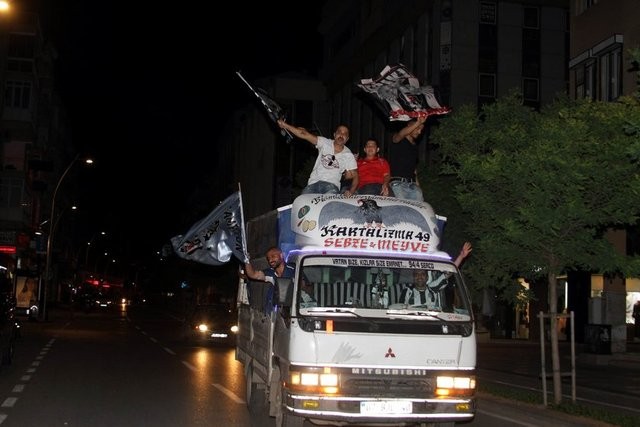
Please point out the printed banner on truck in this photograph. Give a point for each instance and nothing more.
(367, 223)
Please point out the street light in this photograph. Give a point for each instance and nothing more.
(89, 243)
(52, 224)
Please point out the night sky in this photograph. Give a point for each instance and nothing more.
(147, 86)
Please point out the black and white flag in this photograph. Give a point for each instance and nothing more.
(400, 95)
(214, 239)
(274, 111)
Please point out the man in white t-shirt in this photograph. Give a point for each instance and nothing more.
(334, 158)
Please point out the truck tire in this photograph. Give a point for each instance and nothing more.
(256, 398)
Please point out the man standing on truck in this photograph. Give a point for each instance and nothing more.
(334, 159)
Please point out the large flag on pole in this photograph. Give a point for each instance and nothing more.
(215, 238)
(400, 95)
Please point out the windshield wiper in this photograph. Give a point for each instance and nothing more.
(333, 310)
(422, 311)
(414, 311)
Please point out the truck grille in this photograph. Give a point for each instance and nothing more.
(388, 387)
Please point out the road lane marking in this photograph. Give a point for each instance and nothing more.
(501, 417)
(9, 402)
(19, 388)
(229, 393)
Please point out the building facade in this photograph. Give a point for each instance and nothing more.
(34, 143)
(601, 68)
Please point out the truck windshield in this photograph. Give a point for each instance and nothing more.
(381, 284)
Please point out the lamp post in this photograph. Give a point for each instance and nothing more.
(52, 226)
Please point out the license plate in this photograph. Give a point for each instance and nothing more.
(385, 407)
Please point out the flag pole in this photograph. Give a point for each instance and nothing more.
(242, 227)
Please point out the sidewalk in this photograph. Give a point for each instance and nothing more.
(610, 382)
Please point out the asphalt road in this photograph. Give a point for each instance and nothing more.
(106, 369)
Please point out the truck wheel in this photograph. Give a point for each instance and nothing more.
(256, 398)
(283, 419)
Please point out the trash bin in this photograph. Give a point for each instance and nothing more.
(597, 339)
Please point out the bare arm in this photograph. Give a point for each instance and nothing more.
(406, 131)
(386, 178)
(252, 273)
(464, 252)
(355, 179)
(301, 133)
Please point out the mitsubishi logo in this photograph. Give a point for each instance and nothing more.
(390, 353)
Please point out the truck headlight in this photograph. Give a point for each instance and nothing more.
(449, 385)
(314, 380)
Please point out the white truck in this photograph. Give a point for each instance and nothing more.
(353, 352)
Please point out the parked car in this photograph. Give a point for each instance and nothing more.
(214, 323)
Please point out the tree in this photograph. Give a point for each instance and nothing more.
(540, 189)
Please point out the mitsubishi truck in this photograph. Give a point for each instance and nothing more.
(340, 343)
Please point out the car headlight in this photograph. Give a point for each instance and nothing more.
(202, 327)
(234, 329)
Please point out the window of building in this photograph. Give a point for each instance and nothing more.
(590, 80)
(488, 49)
(11, 190)
(531, 53)
(531, 18)
(487, 85)
(585, 80)
(17, 94)
(21, 46)
(488, 12)
(531, 89)
(611, 75)
(583, 5)
(20, 65)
